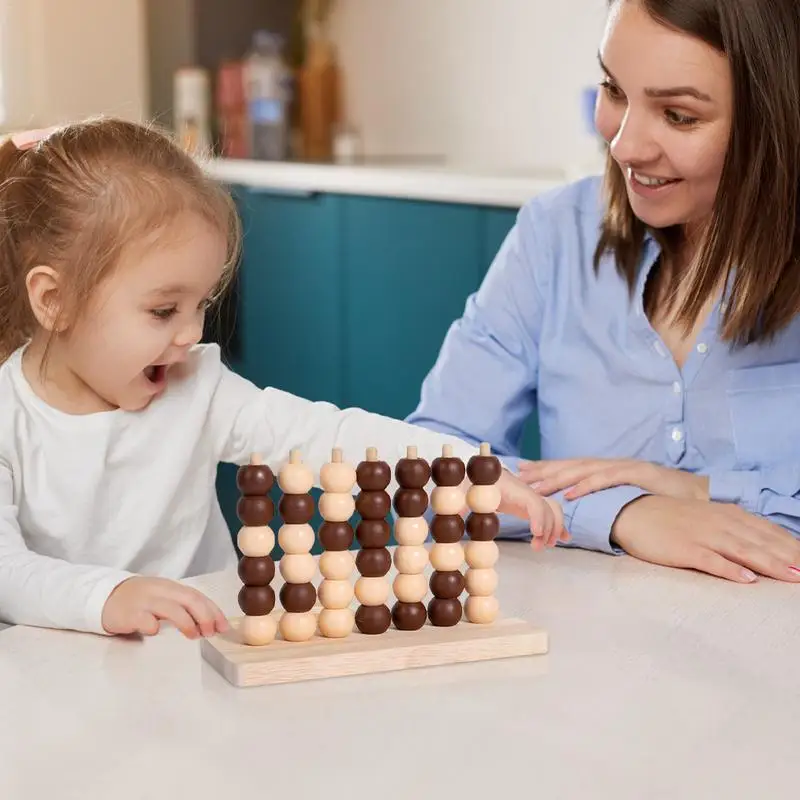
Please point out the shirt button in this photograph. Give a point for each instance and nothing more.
(676, 387)
(702, 348)
(677, 434)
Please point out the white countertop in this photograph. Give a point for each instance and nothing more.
(445, 183)
(659, 685)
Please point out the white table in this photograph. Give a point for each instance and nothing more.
(659, 684)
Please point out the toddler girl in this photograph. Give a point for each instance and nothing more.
(115, 244)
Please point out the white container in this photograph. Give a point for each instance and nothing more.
(192, 109)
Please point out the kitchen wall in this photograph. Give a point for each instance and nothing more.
(486, 82)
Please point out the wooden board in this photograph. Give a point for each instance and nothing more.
(359, 654)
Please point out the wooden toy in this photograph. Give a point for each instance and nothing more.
(343, 628)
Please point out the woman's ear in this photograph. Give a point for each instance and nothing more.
(46, 298)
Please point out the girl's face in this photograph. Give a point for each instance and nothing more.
(141, 323)
(665, 108)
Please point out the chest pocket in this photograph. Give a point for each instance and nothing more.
(764, 405)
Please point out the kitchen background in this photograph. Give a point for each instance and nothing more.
(484, 83)
(414, 132)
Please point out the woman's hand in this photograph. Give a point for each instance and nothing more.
(545, 516)
(139, 605)
(587, 475)
(717, 538)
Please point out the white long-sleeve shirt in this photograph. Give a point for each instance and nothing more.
(87, 501)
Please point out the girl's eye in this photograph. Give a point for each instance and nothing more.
(681, 120)
(612, 90)
(163, 313)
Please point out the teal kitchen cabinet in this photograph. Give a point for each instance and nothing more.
(407, 270)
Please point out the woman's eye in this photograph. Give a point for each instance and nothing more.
(676, 118)
(611, 89)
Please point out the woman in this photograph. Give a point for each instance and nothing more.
(652, 318)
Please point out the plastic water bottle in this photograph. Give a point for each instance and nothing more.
(268, 97)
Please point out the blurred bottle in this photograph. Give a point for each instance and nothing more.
(231, 103)
(192, 103)
(268, 85)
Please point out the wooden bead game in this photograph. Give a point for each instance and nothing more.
(341, 628)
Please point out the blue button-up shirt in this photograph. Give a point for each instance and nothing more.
(544, 333)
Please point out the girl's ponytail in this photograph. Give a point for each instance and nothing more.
(14, 311)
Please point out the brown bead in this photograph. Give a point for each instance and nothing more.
(296, 509)
(336, 535)
(444, 613)
(253, 479)
(255, 512)
(410, 502)
(373, 504)
(447, 528)
(483, 527)
(409, 616)
(448, 471)
(374, 563)
(447, 585)
(255, 601)
(374, 476)
(373, 620)
(484, 470)
(412, 473)
(256, 571)
(373, 533)
(297, 598)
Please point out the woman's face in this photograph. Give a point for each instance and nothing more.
(665, 110)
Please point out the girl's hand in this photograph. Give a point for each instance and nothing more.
(716, 538)
(138, 605)
(545, 516)
(593, 474)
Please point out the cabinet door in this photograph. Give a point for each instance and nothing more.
(408, 269)
(497, 224)
(289, 290)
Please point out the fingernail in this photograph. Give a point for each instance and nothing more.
(796, 570)
(748, 576)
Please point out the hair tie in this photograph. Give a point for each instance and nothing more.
(25, 140)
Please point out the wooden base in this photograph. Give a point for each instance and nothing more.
(359, 654)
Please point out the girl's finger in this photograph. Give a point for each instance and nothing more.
(171, 611)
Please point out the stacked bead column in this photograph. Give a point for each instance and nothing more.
(298, 567)
(373, 561)
(483, 525)
(256, 542)
(336, 507)
(410, 587)
(448, 501)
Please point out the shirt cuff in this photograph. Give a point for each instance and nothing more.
(735, 486)
(96, 600)
(589, 519)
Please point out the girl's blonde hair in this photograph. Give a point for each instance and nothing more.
(77, 199)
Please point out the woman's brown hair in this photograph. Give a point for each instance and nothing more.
(753, 237)
(79, 197)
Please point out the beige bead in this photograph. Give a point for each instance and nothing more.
(481, 555)
(447, 557)
(299, 568)
(481, 610)
(258, 631)
(410, 588)
(481, 582)
(411, 530)
(295, 539)
(295, 477)
(298, 627)
(335, 594)
(336, 507)
(337, 475)
(372, 591)
(337, 565)
(256, 542)
(448, 500)
(484, 499)
(410, 559)
(336, 623)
